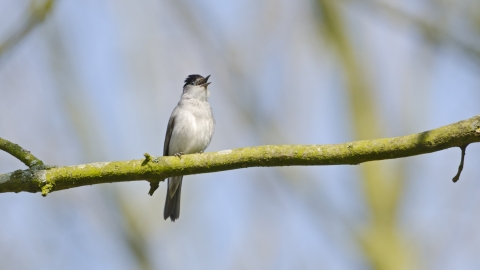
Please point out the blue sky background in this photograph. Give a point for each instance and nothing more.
(97, 81)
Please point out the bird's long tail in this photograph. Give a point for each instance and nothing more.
(172, 202)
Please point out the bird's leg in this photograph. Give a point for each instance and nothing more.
(179, 154)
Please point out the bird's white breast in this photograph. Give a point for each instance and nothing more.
(193, 128)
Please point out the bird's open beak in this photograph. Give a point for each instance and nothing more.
(205, 82)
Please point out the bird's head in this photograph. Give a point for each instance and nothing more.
(196, 86)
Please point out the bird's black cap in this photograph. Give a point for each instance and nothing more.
(195, 79)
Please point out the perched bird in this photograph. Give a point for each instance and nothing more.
(189, 131)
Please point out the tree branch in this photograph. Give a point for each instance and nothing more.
(20, 153)
(460, 167)
(155, 168)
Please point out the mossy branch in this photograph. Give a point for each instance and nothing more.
(154, 168)
(20, 153)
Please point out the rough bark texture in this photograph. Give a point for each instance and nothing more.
(23, 155)
(154, 168)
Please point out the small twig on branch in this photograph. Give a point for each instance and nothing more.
(23, 155)
(153, 186)
(460, 167)
(153, 183)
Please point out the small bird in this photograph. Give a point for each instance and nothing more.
(190, 130)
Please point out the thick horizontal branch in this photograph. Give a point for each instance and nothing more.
(154, 168)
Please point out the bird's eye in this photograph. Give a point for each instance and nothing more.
(192, 83)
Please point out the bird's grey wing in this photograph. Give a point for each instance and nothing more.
(168, 135)
(172, 200)
(173, 183)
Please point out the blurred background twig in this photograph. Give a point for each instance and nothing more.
(36, 14)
